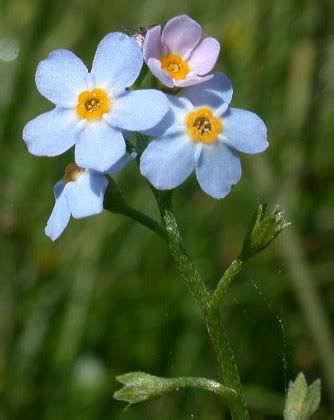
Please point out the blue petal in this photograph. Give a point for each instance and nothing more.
(244, 131)
(121, 163)
(61, 77)
(168, 161)
(59, 188)
(192, 79)
(52, 133)
(118, 61)
(85, 195)
(138, 110)
(179, 105)
(215, 93)
(174, 120)
(99, 146)
(60, 215)
(218, 169)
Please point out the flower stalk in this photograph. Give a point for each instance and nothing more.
(224, 283)
(224, 353)
(140, 386)
(262, 231)
(115, 203)
(195, 130)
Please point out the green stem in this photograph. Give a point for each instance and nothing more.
(146, 221)
(206, 384)
(115, 203)
(179, 253)
(212, 317)
(224, 283)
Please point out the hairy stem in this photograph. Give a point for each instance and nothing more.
(206, 384)
(211, 315)
(225, 282)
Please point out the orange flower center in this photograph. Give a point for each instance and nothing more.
(93, 104)
(175, 66)
(203, 125)
(72, 173)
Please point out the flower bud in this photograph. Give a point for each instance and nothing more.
(262, 231)
(302, 400)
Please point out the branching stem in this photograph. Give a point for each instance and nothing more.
(225, 356)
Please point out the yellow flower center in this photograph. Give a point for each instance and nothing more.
(203, 125)
(93, 104)
(72, 173)
(175, 66)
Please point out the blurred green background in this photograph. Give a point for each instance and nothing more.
(106, 299)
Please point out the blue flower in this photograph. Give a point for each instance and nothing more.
(201, 132)
(79, 194)
(93, 108)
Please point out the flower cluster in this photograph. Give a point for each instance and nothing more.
(192, 129)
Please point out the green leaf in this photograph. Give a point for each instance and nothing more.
(262, 231)
(302, 400)
(140, 386)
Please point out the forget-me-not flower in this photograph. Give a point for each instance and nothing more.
(93, 108)
(80, 194)
(201, 132)
(176, 56)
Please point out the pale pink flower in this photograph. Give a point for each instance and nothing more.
(177, 56)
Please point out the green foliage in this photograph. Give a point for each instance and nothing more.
(302, 400)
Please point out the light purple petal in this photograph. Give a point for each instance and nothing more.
(192, 79)
(85, 195)
(152, 47)
(121, 163)
(52, 133)
(99, 146)
(60, 215)
(117, 63)
(215, 93)
(138, 110)
(61, 77)
(218, 169)
(181, 35)
(168, 161)
(204, 56)
(244, 131)
(155, 67)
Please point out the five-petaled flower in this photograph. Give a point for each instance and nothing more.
(80, 193)
(176, 56)
(201, 132)
(95, 111)
(93, 108)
